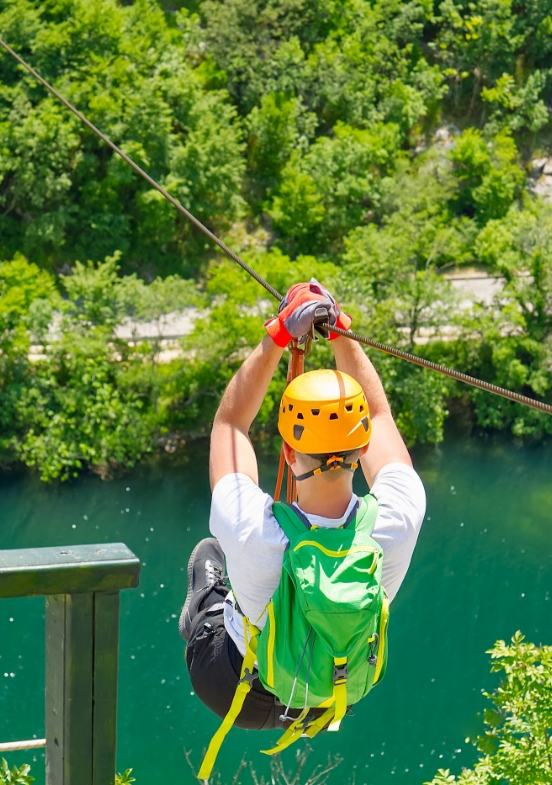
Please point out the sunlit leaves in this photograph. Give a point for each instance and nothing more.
(515, 748)
(16, 775)
(63, 194)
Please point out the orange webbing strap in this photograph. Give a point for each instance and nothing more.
(280, 477)
(242, 690)
(295, 368)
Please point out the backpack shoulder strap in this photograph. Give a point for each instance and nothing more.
(290, 519)
(367, 514)
(293, 522)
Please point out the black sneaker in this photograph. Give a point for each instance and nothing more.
(205, 576)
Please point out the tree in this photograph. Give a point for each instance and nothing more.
(63, 194)
(488, 176)
(515, 748)
(495, 52)
(333, 188)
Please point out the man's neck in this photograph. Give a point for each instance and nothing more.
(327, 499)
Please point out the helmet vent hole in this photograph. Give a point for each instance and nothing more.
(333, 416)
(284, 410)
(290, 407)
(316, 412)
(361, 408)
(300, 416)
(298, 431)
(364, 422)
(349, 407)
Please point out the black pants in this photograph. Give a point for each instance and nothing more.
(214, 663)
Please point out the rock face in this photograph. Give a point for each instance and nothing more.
(540, 181)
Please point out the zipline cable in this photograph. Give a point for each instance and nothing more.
(460, 377)
(411, 358)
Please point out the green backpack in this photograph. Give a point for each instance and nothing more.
(324, 644)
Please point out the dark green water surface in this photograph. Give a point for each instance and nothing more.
(482, 570)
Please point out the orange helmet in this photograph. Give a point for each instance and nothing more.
(324, 412)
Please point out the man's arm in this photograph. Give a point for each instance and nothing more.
(231, 448)
(386, 444)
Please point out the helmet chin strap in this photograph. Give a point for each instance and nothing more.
(332, 463)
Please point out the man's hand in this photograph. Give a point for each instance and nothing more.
(305, 305)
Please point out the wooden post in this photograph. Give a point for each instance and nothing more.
(82, 641)
(81, 584)
(106, 657)
(69, 689)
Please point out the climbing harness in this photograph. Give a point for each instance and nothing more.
(323, 327)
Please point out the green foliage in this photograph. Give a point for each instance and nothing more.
(124, 778)
(15, 776)
(373, 145)
(331, 189)
(89, 400)
(63, 195)
(277, 128)
(487, 174)
(495, 52)
(21, 776)
(23, 289)
(515, 747)
(355, 62)
(78, 412)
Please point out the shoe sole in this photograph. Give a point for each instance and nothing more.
(184, 613)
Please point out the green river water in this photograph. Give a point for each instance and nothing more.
(482, 570)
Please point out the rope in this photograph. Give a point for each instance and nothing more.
(462, 377)
(15, 746)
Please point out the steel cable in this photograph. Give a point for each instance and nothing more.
(420, 361)
(460, 377)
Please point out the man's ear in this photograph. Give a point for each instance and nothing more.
(364, 450)
(289, 454)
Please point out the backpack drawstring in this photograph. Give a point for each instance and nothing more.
(285, 716)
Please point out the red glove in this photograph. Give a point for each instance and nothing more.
(305, 304)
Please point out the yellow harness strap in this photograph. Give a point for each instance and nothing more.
(316, 725)
(295, 731)
(336, 711)
(244, 686)
(340, 691)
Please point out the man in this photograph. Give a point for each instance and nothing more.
(246, 529)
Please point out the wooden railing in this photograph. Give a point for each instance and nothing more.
(81, 584)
